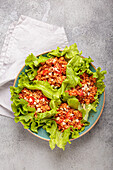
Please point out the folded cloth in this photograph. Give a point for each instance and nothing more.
(23, 38)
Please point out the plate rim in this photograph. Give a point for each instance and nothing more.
(82, 133)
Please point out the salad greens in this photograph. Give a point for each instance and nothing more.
(76, 66)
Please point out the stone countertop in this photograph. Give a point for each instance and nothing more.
(90, 25)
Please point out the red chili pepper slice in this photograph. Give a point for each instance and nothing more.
(71, 118)
(44, 72)
(43, 98)
(68, 115)
(32, 98)
(80, 92)
(61, 120)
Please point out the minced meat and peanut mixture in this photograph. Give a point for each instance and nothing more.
(67, 117)
(87, 92)
(35, 99)
(53, 71)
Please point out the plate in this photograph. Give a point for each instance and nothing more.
(93, 117)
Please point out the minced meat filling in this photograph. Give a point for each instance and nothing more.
(35, 99)
(67, 117)
(87, 92)
(53, 71)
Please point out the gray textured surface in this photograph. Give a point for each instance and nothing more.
(90, 25)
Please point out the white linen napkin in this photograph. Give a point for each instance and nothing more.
(23, 38)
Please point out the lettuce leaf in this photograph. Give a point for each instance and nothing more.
(47, 114)
(75, 133)
(99, 75)
(54, 53)
(72, 80)
(20, 107)
(57, 137)
(76, 66)
(55, 103)
(45, 87)
(33, 62)
(71, 51)
(73, 102)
